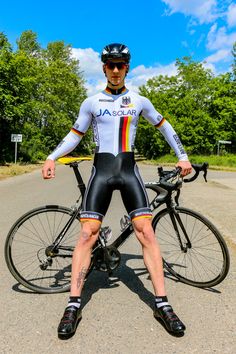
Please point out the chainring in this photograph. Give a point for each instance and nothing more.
(100, 260)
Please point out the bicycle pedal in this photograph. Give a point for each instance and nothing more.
(112, 281)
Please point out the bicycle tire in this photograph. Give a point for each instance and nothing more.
(206, 263)
(25, 249)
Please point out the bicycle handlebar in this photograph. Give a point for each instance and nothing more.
(198, 168)
(165, 176)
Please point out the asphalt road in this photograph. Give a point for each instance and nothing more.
(118, 318)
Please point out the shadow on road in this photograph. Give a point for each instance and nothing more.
(129, 276)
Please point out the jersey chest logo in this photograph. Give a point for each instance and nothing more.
(126, 102)
(119, 113)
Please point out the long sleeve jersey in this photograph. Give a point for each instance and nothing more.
(114, 119)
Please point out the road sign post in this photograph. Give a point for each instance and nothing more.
(224, 142)
(16, 138)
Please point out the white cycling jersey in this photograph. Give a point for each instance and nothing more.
(114, 119)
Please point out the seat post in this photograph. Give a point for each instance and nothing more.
(78, 176)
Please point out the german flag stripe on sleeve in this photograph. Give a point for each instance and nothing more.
(147, 216)
(90, 219)
(161, 123)
(77, 132)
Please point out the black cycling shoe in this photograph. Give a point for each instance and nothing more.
(69, 322)
(170, 320)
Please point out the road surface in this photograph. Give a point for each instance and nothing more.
(118, 318)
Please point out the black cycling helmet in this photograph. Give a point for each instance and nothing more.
(115, 51)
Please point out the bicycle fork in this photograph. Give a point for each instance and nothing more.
(178, 227)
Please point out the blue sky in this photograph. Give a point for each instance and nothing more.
(156, 31)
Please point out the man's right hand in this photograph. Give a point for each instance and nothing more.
(48, 170)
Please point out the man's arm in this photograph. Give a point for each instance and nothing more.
(154, 117)
(70, 141)
(67, 145)
(174, 141)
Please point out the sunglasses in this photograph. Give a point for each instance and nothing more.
(111, 65)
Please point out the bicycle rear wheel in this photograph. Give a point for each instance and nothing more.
(204, 261)
(27, 244)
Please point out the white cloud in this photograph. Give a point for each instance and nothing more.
(222, 55)
(219, 39)
(139, 75)
(89, 61)
(221, 42)
(204, 11)
(153, 70)
(231, 15)
(91, 68)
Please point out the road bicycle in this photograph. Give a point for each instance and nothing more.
(39, 246)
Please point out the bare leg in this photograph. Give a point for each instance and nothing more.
(82, 255)
(80, 264)
(151, 254)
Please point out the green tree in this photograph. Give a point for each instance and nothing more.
(8, 96)
(41, 91)
(223, 107)
(28, 43)
(62, 93)
(234, 60)
(200, 107)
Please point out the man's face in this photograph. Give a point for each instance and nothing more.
(115, 71)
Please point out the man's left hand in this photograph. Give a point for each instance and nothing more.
(186, 167)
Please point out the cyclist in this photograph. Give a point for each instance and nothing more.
(114, 115)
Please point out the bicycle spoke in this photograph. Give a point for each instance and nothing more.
(26, 249)
(200, 262)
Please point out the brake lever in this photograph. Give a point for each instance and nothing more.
(205, 175)
(203, 168)
(187, 180)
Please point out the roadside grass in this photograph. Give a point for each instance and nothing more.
(11, 169)
(226, 163)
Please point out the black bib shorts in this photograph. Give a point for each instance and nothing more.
(111, 173)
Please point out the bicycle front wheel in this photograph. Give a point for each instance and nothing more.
(193, 250)
(27, 249)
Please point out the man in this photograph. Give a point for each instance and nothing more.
(114, 115)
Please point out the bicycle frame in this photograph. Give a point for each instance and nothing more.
(162, 196)
(177, 228)
(81, 185)
(127, 229)
(166, 196)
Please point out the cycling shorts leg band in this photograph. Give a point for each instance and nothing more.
(140, 214)
(91, 216)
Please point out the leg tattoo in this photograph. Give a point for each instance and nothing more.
(81, 276)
